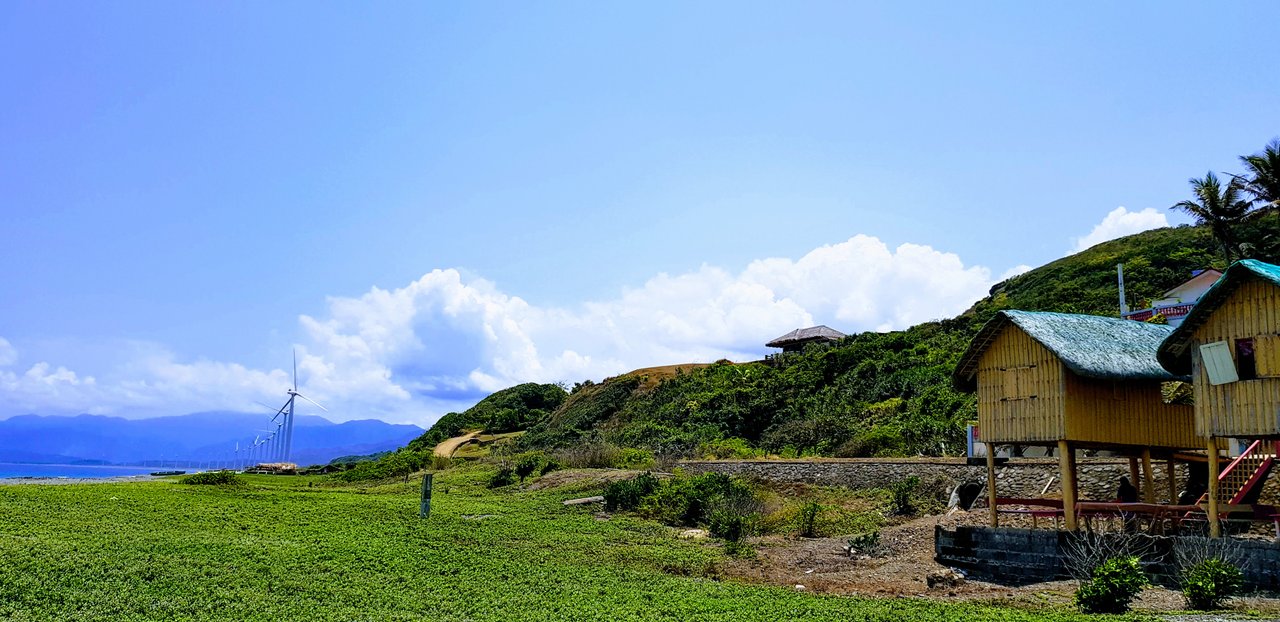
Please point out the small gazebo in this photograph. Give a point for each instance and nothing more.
(797, 339)
(1073, 381)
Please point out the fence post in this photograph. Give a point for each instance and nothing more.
(424, 509)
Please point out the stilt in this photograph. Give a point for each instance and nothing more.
(1215, 524)
(1173, 481)
(1148, 478)
(1066, 463)
(1135, 477)
(991, 484)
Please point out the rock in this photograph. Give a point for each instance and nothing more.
(945, 578)
(585, 500)
(800, 588)
(694, 534)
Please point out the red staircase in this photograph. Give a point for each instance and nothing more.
(1244, 477)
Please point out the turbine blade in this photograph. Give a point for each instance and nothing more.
(295, 369)
(312, 401)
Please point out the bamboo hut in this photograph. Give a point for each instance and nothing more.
(1073, 381)
(796, 340)
(1230, 346)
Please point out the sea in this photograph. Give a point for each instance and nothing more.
(71, 471)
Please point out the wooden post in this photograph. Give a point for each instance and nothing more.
(991, 484)
(1215, 524)
(1066, 464)
(1148, 478)
(424, 509)
(1173, 481)
(1134, 476)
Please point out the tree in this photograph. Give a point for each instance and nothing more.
(1262, 180)
(1220, 207)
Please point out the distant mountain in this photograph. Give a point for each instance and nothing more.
(195, 437)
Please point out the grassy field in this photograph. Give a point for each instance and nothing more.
(298, 549)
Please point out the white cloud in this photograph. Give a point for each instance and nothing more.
(1014, 271)
(1119, 223)
(445, 340)
(8, 354)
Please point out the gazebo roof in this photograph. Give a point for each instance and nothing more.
(1091, 346)
(803, 335)
(1175, 352)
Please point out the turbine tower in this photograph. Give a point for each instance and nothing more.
(287, 411)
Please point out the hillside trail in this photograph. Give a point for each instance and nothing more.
(446, 448)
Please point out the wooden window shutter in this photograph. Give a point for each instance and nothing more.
(1217, 362)
(1266, 352)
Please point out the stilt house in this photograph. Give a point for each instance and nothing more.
(1072, 381)
(1230, 346)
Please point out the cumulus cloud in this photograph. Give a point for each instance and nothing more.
(8, 354)
(445, 340)
(1120, 222)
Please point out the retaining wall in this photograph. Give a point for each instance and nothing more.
(1019, 477)
(1021, 556)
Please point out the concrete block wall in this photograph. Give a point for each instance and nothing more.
(1021, 556)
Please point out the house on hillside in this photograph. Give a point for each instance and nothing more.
(1230, 346)
(1177, 302)
(796, 340)
(1070, 382)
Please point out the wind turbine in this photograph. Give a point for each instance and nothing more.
(287, 410)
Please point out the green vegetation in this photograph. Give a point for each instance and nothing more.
(213, 478)
(507, 410)
(306, 548)
(1210, 583)
(1114, 584)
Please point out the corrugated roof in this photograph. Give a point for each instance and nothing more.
(806, 334)
(1175, 352)
(1091, 346)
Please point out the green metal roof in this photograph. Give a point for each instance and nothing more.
(1091, 346)
(1175, 352)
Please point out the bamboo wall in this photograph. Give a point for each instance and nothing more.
(1127, 413)
(1247, 408)
(1020, 390)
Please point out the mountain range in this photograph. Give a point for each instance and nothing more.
(195, 437)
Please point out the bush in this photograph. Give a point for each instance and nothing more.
(628, 494)
(903, 504)
(213, 478)
(809, 519)
(504, 476)
(591, 455)
(1210, 583)
(1113, 586)
(533, 463)
(866, 543)
(728, 525)
(632, 458)
(728, 448)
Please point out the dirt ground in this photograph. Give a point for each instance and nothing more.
(906, 559)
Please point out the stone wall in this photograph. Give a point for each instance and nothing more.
(1022, 556)
(1020, 477)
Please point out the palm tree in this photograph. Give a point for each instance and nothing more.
(1263, 180)
(1220, 207)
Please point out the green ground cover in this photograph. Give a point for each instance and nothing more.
(304, 549)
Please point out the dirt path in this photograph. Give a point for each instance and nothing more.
(446, 448)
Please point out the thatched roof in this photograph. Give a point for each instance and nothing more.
(1175, 352)
(803, 335)
(1091, 346)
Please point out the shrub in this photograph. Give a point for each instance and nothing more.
(866, 543)
(628, 494)
(213, 478)
(728, 525)
(809, 519)
(1210, 583)
(530, 463)
(591, 455)
(728, 448)
(504, 476)
(632, 458)
(903, 504)
(440, 463)
(1113, 586)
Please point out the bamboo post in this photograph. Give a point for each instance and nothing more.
(1134, 476)
(1215, 524)
(991, 484)
(1067, 465)
(1148, 478)
(1173, 482)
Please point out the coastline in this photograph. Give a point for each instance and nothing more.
(54, 481)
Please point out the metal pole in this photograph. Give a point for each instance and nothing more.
(288, 428)
(424, 509)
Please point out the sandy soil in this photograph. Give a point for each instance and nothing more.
(904, 563)
(446, 448)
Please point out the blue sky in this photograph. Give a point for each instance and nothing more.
(433, 200)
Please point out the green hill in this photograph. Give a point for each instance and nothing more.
(871, 394)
